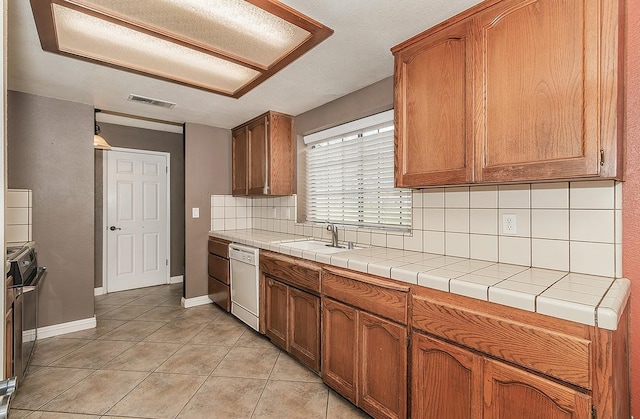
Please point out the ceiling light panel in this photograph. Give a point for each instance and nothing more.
(235, 27)
(223, 46)
(90, 37)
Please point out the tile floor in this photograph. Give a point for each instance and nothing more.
(150, 358)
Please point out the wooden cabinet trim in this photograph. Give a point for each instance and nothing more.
(292, 271)
(368, 293)
(561, 355)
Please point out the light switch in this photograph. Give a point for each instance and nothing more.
(195, 212)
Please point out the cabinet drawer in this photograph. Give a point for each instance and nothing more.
(376, 295)
(219, 247)
(557, 349)
(296, 272)
(219, 268)
(220, 294)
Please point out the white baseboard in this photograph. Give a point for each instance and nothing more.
(195, 301)
(98, 291)
(176, 279)
(64, 328)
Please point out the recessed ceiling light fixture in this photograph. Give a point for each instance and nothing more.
(223, 46)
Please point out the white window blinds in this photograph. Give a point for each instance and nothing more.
(349, 177)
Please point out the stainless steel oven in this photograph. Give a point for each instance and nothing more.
(27, 278)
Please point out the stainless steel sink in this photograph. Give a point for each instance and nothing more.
(315, 245)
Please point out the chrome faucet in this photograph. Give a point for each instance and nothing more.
(334, 234)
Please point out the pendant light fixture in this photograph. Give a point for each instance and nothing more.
(99, 143)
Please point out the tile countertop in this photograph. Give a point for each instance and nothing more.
(586, 299)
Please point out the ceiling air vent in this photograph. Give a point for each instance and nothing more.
(151, 101)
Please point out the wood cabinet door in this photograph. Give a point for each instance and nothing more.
(257, 176)
(538, 87)
(446, 380)
(383, 367)
(433, 110)
(513, 393)
(304, 328)
(340, 348)
(281, 146)
(239, 160)
(276, 298)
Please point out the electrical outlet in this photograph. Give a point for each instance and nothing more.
(288, 213)
(275, 212)
(509, 224)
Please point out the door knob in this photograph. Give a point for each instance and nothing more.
(114, 228)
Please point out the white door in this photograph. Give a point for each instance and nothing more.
(136, 219)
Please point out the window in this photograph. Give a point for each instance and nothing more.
(350, 176)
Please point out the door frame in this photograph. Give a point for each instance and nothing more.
(105, 221)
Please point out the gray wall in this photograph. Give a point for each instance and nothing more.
(146, 139)
(375, 98)
(50, 151)
(207, 171)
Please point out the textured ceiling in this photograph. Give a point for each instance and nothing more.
(356, 55)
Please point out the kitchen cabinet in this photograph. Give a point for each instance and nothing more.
(263, 152)
(512, 91)
(364, 341)
(451, 385)
(433, 109)
(239, 160)
(218, 270)
(474, 359)
(292, 306)
(514, 393)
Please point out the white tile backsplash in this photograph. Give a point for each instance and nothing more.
(483, 197)
(484, 221)
(550, 254)
(550, 195)
(592, 226)
(484, 247)
(514, 250)
(456, 220)
(592, 195)
(18, 216)
(562, 225)
(514, 196)
(550, 224)
(457, 197)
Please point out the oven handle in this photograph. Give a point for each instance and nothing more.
(42, 271)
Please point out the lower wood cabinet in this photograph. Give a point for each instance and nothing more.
(219, 274)
(292, 321)
(515, 393)
(364, 355)
(450, 382)
(292, 306)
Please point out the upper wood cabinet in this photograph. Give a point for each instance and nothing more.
(433, 110)
(239, 159)
(512, 91)
(263, 152)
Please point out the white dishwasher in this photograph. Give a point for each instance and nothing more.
(245, 278)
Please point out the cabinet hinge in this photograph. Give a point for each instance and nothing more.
(166, 261)
(601, 157)
(594, 413)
